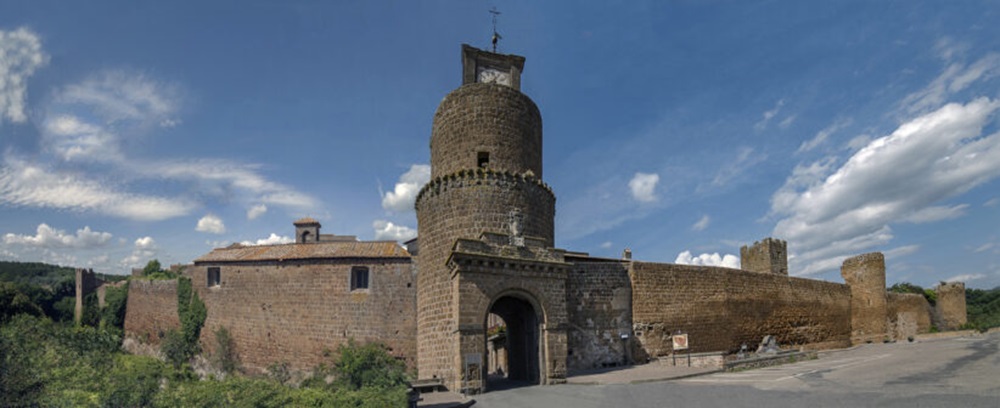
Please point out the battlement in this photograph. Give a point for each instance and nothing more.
(769, 255)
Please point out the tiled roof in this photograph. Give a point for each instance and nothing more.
(317, 250)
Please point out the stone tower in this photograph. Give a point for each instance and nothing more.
(951, 305)
(768, 255)
(865, 275)
(486, 169)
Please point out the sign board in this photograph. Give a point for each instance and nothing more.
(681, 341)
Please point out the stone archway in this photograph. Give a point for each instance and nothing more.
(521, 342)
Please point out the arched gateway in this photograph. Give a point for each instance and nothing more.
(514, 355)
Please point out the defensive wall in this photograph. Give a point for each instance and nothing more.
(599, 304)
(151, 309)
(721, 309)
(908, 315)
(300, 312)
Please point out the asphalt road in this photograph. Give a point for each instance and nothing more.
(953, 372)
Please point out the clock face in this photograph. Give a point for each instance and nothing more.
(488, 75)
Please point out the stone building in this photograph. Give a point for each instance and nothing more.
(486, 252)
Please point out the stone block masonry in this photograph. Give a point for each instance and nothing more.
(951, 305)
(768, 255)
(909, 314)
(720, 309)
(865, 274)
(299, 312)
(599, 305)
(151, 309)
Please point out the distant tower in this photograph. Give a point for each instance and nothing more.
(306, 230)
(768, 255)
(486, 162)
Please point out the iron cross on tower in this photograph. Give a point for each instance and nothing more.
(496, 35)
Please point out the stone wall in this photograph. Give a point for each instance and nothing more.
(722, 308)
(865, 274)
(951, 305)
(300, 312)
(766, 256)
(151, 309)
(599, 304)
(909, 314)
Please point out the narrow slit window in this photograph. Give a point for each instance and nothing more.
(214, 277)
(359, 277)
(483, 159)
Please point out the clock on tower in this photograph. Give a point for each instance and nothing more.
(480, 66)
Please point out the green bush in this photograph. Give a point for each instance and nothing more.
(115, 300)
(224, 357)
(368, 365)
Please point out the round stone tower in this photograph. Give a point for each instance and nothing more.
(486, 163)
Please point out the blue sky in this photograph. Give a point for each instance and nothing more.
(682, 130)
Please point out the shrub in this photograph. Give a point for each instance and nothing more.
(224, 357)
(368, 365)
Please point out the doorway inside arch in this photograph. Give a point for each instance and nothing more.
(512, 351)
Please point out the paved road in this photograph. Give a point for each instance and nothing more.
(955, 372)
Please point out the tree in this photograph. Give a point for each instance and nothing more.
(153, 266)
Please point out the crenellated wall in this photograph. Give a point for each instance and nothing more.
(722, 308)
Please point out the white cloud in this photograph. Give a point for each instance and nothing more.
(144, 250)
(385, 230)
(830, 212)
(992, 202)
(965, 277)
(702, 223)
(786, 122)
(51, 238)
(403, 196)
(23, 184)
(936, 213)
(71, 138)
(768, 115)
(606, 245)
(955, 78)
(273, 239)
(211, 224)
(222, 178)
(822, 135)
(256, 211)
(117, 95)
(20, 56)
(643, 186)
(713, 259)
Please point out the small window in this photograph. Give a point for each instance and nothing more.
(483, 159)
(359, 277)
(214, 277)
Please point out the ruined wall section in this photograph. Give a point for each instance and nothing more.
(151, 309)
(951, 305)
(769, 255)
(599, 304)
(299, 312)
(722, 308)
(909, 314)
(865, 274)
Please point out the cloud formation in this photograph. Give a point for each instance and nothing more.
(273, 239)
(643, 186)
(144, 250)
(20, 56)
(385, 230)
(401, 199)
(713, 259)
(702, 223)
(211, 224)
(30, 185)
(822, 135)
(51, 238)
(832, 211)
(256, 211)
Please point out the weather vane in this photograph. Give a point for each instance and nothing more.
(496, 35)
